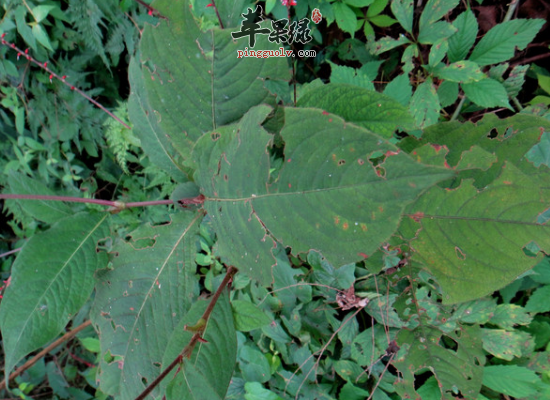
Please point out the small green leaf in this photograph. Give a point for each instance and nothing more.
(386, 44)
(376, 8)
(358, 3)
(403, 11)
(435, 32)
(349, 75)
(540, 153)
(487, 93)
(461, 72)
(438, 52)
(247, 316)
(435, 10)
(447, 93)
(500, 42)
(511, 380)
(253, 365)
(424, 105)
(515, 80)
(19, 113)
(90, 344)
(42, 37)
(538, 301)
(382, 21)
(255, 391)
(40, 12)
(345, 17)
(507, 316)
(462, 41)
(400, 89)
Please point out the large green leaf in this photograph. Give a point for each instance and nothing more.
(51, 279)
(206, 375)
(328, 196)
(504, 140)
(500, 42)
(194, 80)
(141, 300)
(374, 111)
(47, 211)
(473, 240)
(460, 369)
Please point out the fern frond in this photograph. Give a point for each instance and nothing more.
(119, 139)
(87, 18)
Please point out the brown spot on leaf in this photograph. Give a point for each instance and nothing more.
(215, 136)
(341, 162)
(360, 161)
(345, 226)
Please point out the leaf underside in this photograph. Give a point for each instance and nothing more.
(141, 300)
(329, 195)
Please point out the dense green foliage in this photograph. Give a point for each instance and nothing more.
(391, 238)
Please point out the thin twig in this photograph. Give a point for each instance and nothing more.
(511, 8)
(44, 66)
(45, 351)
(197, 336)
(7, 253)
(151, 10)
(115, 204)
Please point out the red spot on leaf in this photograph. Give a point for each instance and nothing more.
(363, 255)
(289, 185)
(336, 220)
(325, 113)
(390, 153)
(417, 216)
(446, 164)
(345, 226)
(436, 147)
(330, 120)
(507, 182)
(210, 5)
(289, 160)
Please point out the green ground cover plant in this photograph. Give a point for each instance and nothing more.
(354, 225)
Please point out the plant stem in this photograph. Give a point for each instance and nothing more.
(458, 108)
(45, 351)
(115, 204)
(188, 350)
(7, 253)
(61, 79)
(511, 8)
(217, 13)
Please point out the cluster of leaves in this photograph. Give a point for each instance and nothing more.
(351, 195)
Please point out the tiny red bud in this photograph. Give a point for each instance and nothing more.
(3, 35)
(18, 55)
(210, 5)
(202, 340)
(26, 51)
(150, 12)
(63, 77)
(45, 64)
(51, 76)
(72, 87)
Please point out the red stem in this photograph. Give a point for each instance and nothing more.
(116, 204)
(197, 337)
(54, 75)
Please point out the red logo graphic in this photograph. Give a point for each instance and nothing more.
(316, 16)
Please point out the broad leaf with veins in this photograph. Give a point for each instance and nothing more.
(329, 195)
